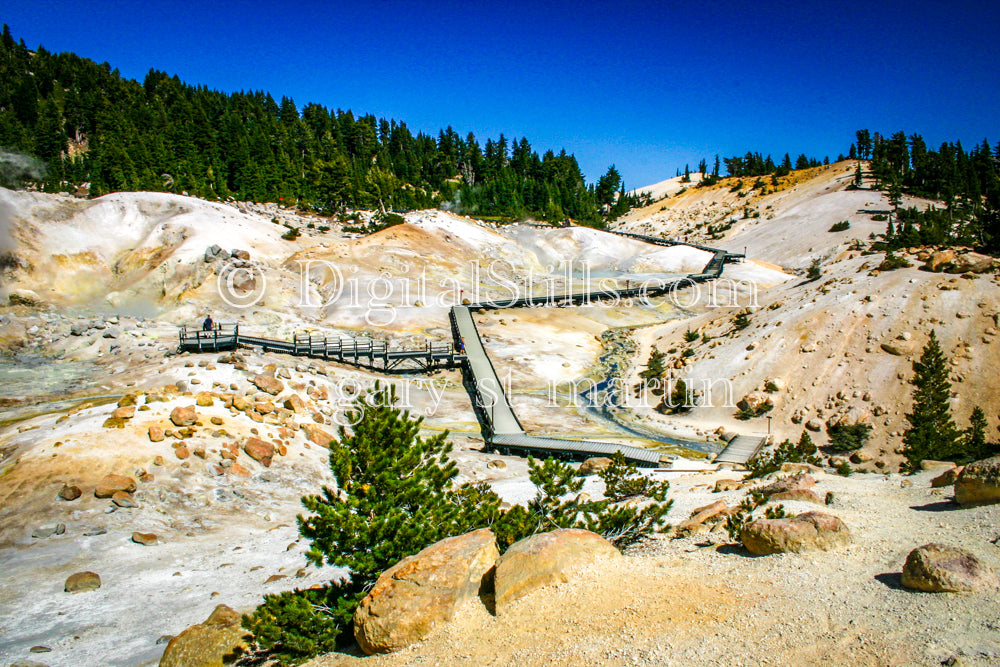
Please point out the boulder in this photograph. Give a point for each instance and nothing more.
(928, 464)
(814, 425)
(971, 262)
(799, 495)
(947, 478)
(774, 384)
(69, 492)
(268, 384)
(727, 485)
(545, 559)
(240, 254)
(220, 640)
(422, 591)
(979, 483)
(788, 466)
(24, 297)
(317, 436)
(755, 401)
(124, 412)
(156, 434)
(204, 399)
(811, 531)
(112, 484)
(700, 516)
(938, 568)
(938, 260)
(593, 465)
(798, 482)
(82, 582)
(183, 415)
(124, 499)
(145, 539)
(295, 404)
(899, 348)
(259, 450)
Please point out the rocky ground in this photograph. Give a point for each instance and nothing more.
(701, 600)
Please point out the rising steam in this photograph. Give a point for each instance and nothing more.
(16, 167)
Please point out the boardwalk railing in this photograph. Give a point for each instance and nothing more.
(500, 426)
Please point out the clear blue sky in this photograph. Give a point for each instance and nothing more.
(648, 86)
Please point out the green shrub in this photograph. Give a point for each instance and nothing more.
(841, 226)
(802, 452)
(844, 469)
(690, 336)
(291, 234)
(893, 262)
(848, 437)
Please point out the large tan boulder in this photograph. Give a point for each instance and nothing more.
(546, 559)
(947, 478)
(979, 483)
(755, 401)
(938, 568)
(219, 641)
(422, 591)
(811, 531)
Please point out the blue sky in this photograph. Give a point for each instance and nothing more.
(648, 86)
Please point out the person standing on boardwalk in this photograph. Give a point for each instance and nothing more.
(208, 324)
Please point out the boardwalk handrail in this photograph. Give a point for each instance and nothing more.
(381, 358)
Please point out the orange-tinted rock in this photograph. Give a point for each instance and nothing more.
(295, 404)
(111, 484)
(145, 539)
(156, 434)
(125, 412)
(82, 582)
(317, 435)
(239, 471)
(806, 532)
(182, 452)
(216, 642)
(259, 450)
(268, 384)
(183, 415)
(70, 492)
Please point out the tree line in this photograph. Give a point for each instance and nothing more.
(88, 124)
(966, 182)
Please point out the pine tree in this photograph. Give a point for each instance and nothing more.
(394, 496)
(932, 433)
(974, 442)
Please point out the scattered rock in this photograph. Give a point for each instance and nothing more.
(295, 404)
(48, 531)
(545, 559)
(259, 450)
(593, 465)
(800, 495)
(204, 400)
(70, 492)
(979, 483)
(947, 478)
(701, 516)
(899, 348)
(412, 597)
(498, 464)
(183, 415)
(268, 384)
(774, 384)
(316, 435)
(938, 568)
(805, 532)
(123, 499)
(182, 452)
(156, 434)
(937, 261)
(797, 482)
(218, 641)
(755, 401)
(82, 582)
(727, 485)
(112, 484)
(145, 539)
(790, 467)
(814, 425)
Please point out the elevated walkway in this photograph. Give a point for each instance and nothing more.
(741, 450)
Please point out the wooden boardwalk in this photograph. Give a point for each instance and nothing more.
(500, 426)
(741, 449)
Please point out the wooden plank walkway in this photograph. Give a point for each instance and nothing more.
(741, 449)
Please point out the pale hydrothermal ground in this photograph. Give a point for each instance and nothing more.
(131, 266)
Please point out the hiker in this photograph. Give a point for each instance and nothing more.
(208, 324)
